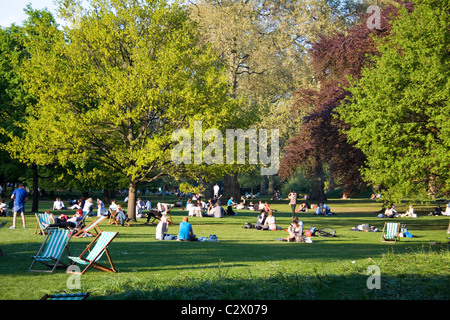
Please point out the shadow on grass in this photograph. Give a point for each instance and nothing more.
(289, 286)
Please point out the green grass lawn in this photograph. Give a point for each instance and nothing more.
(246, 263)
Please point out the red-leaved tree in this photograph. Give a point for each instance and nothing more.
(320, 140)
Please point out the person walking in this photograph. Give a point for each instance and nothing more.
(20, 196)
(292, 201)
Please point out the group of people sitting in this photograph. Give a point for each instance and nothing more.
(391, 212)
(185, 230)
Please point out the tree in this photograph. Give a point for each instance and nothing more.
(319, 140)
(398, 113)
(264, 44)
(113, 89)
(16, 100)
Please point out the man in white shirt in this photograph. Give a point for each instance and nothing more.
(216, 191)
(58, 205)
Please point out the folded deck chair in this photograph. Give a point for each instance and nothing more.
(66, 296)
(51, 250)
(94, 252)
(42, 219)
(1, 226)
(390, 232)
(89, 229)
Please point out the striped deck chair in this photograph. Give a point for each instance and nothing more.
(81, 223)
(89, 229)
(390, 232)
(51, 250)
(94, 252)
(42, 218)
(66, 296)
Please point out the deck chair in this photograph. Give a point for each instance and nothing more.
(94, 252)
(113, 219)
(390, 232)
(66, 296)
(164, 209)
(51, 250)
(42, 218)
(1, 226)
(89, 229)
(82, 222)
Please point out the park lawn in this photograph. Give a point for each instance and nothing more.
(246, 263)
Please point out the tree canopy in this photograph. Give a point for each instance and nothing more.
(398, 113)
(113, 90)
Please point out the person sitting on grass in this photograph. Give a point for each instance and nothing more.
(437, 211)
(162, 228)
(185, 232)
(271, 222)
(260, 221)
(58, 205)
(295, 231)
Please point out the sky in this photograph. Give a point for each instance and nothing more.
(11, 11)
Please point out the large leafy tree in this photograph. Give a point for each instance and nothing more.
(319, 142)
(399, 112)
(113, 89)
(264, 44)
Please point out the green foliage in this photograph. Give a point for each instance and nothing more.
(113, 89)
(297, 182)
(399, 111)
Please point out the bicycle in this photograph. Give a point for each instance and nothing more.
(324, 232)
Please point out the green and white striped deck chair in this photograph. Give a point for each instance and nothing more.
(66, 296)
(94, 252)
(42, 218)
(51, 250)
(89, 229)
(390, 232)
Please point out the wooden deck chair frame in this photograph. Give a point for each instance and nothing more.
(40, 229)
(169, 208)
(94, 251)
(113, 219)
(390, 232)
(66, 296)
(93, 226)
(51, 250)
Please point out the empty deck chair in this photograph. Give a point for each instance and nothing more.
(89, 229)
(66, 296)
(42, 219)
(390, 232)
(51, 250)
(94, 252)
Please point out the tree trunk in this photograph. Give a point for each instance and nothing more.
(317, 184)
(271, 184)
(106, 197)
(231, 188)
(131, 207)
(35, 205)
(262, 189)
